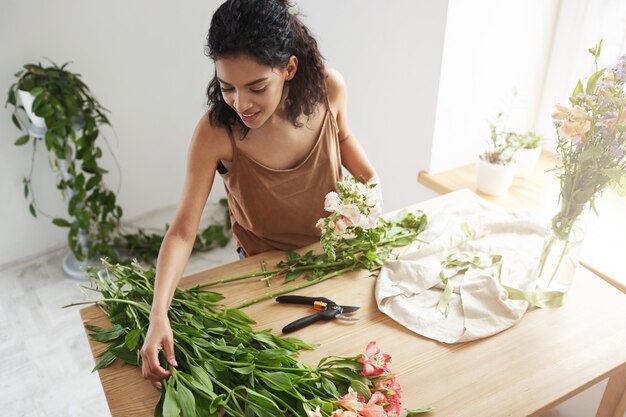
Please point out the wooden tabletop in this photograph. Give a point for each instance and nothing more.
(605, 241)
(549, 356)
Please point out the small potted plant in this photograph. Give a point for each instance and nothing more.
(527, 154)
(496, 166)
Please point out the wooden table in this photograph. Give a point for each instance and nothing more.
(605, 242)
(549, 356)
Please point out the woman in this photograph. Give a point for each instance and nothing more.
(276, 131)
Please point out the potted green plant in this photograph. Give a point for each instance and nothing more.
(528, 150)
(53, 105)
(496, 166)
(72, 118)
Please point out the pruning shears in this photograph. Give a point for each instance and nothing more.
(328, 310)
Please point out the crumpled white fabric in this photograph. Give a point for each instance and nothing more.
(409, 288)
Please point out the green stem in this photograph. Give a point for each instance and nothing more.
(293, 288)
(109, 300)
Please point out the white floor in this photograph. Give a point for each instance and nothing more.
(45, 361)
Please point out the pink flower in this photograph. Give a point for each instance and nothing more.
(576, 122)
(350, 401)
(351, 211)
(482, 231)
(316, 413)
(374, 362)
(389, 386)
(332, 202)
(373, 407)
(395, 409)
(343, 413)
(341, 226)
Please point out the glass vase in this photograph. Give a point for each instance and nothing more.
(562, 248)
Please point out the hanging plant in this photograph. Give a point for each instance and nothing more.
(73, 118)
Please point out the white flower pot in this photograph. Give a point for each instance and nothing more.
(494, 179)
(27, 99)
(527, 161)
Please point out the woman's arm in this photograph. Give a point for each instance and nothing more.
(353, 156)
(208, 146)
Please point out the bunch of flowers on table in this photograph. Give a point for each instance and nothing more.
(591, 140)
(380, 397)
(354, 208)
(592, 147)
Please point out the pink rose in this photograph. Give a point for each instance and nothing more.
(332, 202)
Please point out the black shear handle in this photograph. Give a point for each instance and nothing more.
(300, 299)
(305, 321)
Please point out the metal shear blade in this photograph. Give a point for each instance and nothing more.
(328, 310)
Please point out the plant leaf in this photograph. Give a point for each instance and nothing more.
(22, 140)
(186, 401)
(61, 222)
(106, 358)
(171, 408)
(131, 340)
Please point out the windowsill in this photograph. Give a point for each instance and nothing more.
(606, 233)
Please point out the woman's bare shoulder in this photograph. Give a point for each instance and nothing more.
(336, 89)
(210, 142)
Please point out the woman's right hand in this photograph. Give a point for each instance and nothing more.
(159, 337)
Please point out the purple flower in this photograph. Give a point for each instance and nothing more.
(616, 151)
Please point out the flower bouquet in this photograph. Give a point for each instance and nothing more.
(591, 144)
(354, 209)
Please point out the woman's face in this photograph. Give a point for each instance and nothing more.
(253, 90)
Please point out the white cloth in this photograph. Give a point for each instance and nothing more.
(409, 288)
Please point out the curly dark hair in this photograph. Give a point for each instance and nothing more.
(269, 32)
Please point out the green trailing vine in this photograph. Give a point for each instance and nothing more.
(73, 119)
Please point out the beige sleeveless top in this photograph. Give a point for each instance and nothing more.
(278, 208)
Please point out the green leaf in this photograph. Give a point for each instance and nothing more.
(361, 388)
(22, 140)
(414, 411)
(50, 141)
(591, 82)
(186, 401)
(123, 353)
(36, 91)
(261, 405)
(61, 222)
(238, 316)
(25, 189)
(280, 381)
(577, 90)
(171, 407)
(202, 376)
(131, 340)
(16, 122)
(292, 256)
(292, 275)
(107, 335)
(243, 370)
(271, 355)
(106, 358)
(158, 410)
(31, 207)
(330, 387)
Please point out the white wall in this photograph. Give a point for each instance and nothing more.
(144, 61)
(490, 48)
